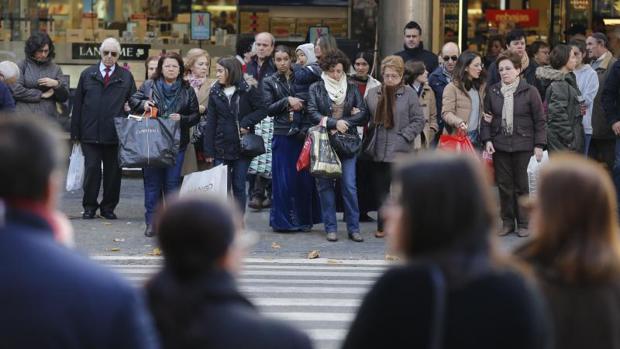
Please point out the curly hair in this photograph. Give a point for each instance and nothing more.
(332, 57)
(36, 41)
(509, 56)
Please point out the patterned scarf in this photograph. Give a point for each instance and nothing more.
(337, 90)
(508, 109)
(170, 96)
(194, 82)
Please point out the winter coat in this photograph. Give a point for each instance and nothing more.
(564, 120)
(600, 127)
(419, 54)
(7, 103)
(27, 92)
(95, 106)
(611, 95)
(429, 109)
(276, 91)
(319, 106)
(529, 126)
(56, 298)
(408, 124)
(456, 105)
(438, 81)
(245, 109)
(186, 106)
(220, 318)
(587, 82)
(260, 72)
(529, 74)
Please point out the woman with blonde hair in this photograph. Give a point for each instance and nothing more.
(576, 252)
(396, 121)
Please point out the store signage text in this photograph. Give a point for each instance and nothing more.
(525, 18)
(129, 52)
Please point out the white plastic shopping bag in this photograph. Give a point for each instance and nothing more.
(75, 174)
(213, 182)
(533, 169)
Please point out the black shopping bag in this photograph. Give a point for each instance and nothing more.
(147, 142)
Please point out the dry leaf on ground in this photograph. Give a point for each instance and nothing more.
(275, 245)
(119, 240)
(313, 254)
(156, 252)
(114, 249)
(389, 257)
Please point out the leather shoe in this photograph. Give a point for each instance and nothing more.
(255, 203)
(108, 215)
(379, 234)
(506, 230)
(149, 232)
(523, 232)
(88, 214)
(357, 237)
(331, 236)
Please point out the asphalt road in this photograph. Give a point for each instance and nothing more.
(125, 236)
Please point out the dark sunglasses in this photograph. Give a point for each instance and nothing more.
(111, 53)
(453, 58)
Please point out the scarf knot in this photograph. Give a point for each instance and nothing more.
(508, 91)
(336, 89)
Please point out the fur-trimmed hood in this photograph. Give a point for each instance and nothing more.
(548, 73)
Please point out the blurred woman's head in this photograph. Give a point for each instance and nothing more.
(197, 62)
(575, 221)
(363, 63)
(469, 72)
(563, 57)
(324, 43)
(39, 47)
(228, 71)
(423, 220)
(151, 66)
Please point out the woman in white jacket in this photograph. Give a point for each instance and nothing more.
(587, 81)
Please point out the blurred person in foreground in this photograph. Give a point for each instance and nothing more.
(51, 296)
(194, 299)
(9, 73)
(455, 290)
(575, 252)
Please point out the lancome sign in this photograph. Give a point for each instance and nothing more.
(129, 52)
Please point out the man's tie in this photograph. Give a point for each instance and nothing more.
(106, 78)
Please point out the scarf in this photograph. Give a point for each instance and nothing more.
(194, 82)
(170, 96)
(337, 90)
(508, 109)
(384, 115)
(525, 62)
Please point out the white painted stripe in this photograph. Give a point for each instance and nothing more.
(297, 290)
(300, 316)
(261, 267)
(307, 281)
(326, 334)
(274, 273)
(305, 302)
(328, 261)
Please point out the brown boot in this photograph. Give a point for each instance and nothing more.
(379, 234)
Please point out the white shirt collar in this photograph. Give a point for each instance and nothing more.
(102, 69)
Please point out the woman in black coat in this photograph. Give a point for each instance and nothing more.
(235, 106)
(176, 100)
(454, 291)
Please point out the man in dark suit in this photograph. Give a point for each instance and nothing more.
(52, 297)
(101, 94)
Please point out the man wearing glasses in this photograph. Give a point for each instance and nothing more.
(442, 76)
(100, 96)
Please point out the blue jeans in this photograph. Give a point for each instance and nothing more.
(237, 171)
(158, 180)
(327, 197)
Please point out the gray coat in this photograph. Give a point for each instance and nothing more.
(27, 92)
(408, 124)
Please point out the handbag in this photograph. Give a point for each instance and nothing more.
(369, 142)
(324, 161)
(252, 145)
(458, 143)
(346, 145)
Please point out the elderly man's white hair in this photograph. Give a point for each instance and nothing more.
(9, 72)
(110, 41)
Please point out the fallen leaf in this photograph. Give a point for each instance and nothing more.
(114, 249)
(313, 254)
(389, 257)
(119, 240)
(156, 252)
(275, 245)
(333, 261)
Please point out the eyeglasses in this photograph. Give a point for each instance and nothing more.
(110, 53)
(391, 76)
(447, 58)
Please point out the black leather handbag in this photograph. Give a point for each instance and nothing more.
(252, 145)
(346, 145)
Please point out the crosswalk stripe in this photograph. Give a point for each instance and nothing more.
(275, 267)
(307, 316)
(312, 302)
(127, 270)
(326, 261)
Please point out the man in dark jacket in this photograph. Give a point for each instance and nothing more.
(103, 90)
(413, 49)
(51, 296)
(611, 104)
(441, 77)
(515, 42)
(260, 67)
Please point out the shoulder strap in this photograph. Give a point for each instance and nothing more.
(439, 307)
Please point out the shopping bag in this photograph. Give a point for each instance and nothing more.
(324, 161)
(75, 174)
(212, 182)
(533, 169)
(147, 142)
(303, 161)
(459, 143)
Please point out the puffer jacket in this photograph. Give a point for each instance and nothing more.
(564, 119)
(319, 106)
(27, 92)
(187, 105)
(431, 127)
(275, 90)
(245, 109)
(408, 124)
(529, 128)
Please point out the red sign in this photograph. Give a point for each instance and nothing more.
(525, 18)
